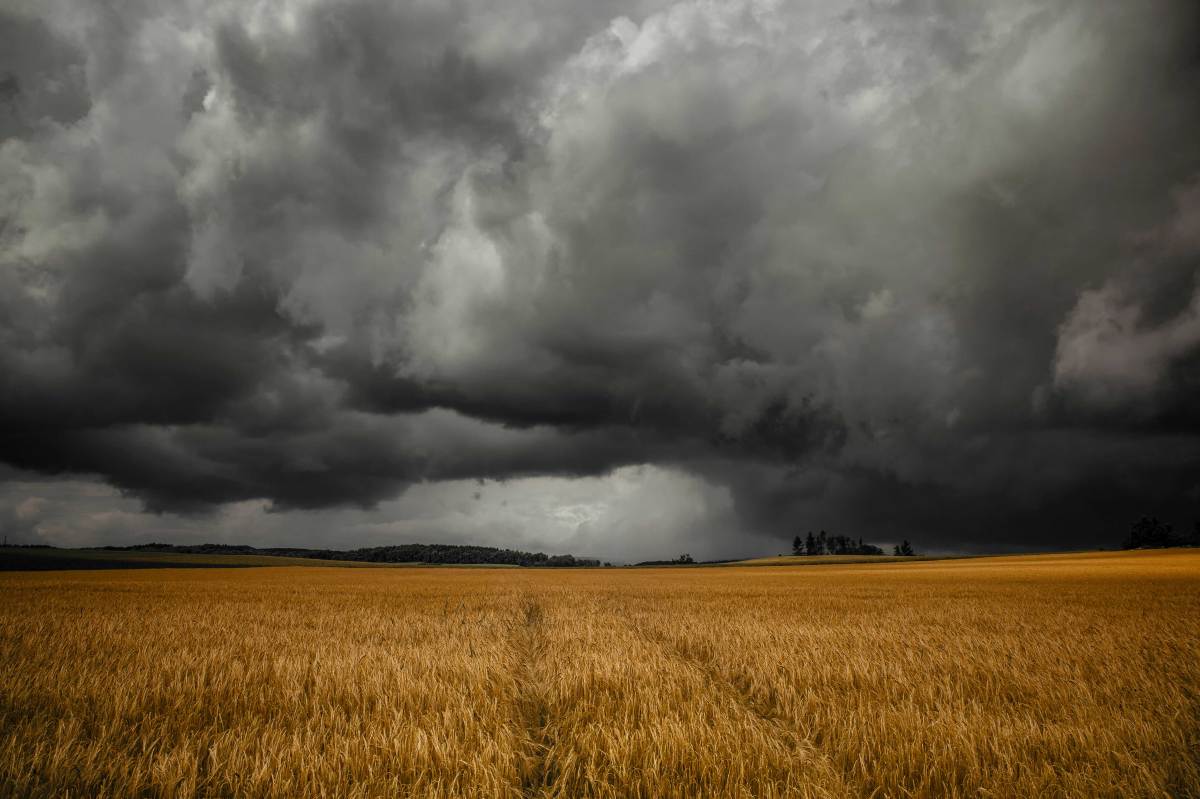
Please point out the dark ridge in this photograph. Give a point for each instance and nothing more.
(401, 553)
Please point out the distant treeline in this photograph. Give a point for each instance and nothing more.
(401, 553)
(682, 560)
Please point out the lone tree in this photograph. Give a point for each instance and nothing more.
(905, 549)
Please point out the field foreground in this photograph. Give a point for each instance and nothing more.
(1072, 675)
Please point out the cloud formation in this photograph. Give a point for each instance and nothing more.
(910, 269)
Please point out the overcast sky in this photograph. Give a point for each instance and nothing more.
(623, 279)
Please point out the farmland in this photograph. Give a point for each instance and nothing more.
(1071, 675)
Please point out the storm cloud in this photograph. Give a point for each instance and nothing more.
(897, 269)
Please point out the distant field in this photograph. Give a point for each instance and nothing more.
(1067, 675)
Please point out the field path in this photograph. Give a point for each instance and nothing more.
(528, 641)
(766, 715)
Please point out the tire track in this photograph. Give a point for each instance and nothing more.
(528, 640)
(797, 741)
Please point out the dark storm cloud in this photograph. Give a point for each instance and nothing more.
(913, 269)
(351, 459)
(42, 79)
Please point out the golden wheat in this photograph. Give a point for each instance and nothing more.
(1034, 676)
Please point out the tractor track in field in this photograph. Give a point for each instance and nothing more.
(527, 637)
(797, 740)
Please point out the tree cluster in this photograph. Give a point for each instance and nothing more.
(1149, 533)
(824, 544)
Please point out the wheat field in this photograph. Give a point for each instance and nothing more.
(1072, 675)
